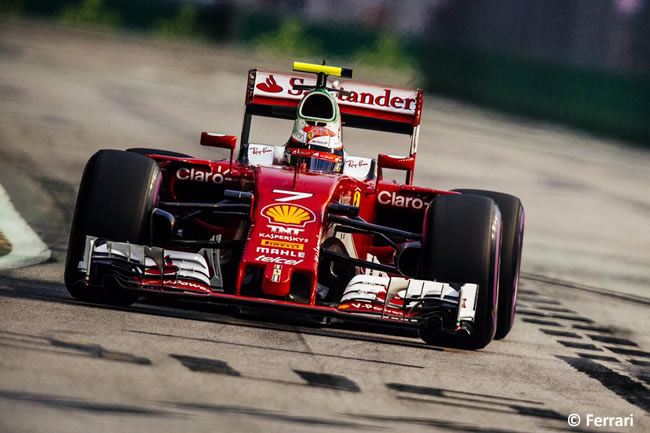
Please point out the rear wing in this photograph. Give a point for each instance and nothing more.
(362, 105)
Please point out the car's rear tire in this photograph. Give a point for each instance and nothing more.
(116, 195)
(146, 151)
(461, 245)
(513, 218)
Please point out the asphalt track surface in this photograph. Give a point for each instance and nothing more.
(580, 343)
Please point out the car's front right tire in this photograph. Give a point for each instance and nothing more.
(513, 217)
(461, 244)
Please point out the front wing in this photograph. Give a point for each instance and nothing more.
(369, 297)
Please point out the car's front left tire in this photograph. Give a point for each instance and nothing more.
(117, 193)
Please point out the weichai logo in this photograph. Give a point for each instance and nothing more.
(288, 214)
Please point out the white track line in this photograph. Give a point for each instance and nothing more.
(27, 247)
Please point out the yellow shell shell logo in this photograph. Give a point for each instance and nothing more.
(288, 214)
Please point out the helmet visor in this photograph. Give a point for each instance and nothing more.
(321, 160)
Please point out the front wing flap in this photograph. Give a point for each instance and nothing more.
(376, 298)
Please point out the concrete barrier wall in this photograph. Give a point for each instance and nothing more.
(602, 102)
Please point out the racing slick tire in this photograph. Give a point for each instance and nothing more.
(461, 244)
(116, 195)
(513, 218)
(145, 151)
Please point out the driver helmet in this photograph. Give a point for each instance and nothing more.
(316, 137)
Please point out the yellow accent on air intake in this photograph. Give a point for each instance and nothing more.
(329, 70)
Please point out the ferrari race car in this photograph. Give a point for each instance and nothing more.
(302, 226)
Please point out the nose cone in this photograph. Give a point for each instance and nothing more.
(277, 280)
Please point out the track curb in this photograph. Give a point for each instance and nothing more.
(18, 241)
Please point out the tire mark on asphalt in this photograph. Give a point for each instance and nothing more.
(313, 379)
(554, 314)
(575, 286)
(556, 333)
(98, 351)
(554, 309)
(640, 372)
(570, 318)
(621, 384)
(204, 312)
(598, 357)
(542, 322)
(326, 380)
(539, 300)
(612, 340)
(530, 313)
(454, 394)
(527, 292)
(69, 403)
(192, 310)
(31, 342)
(206, 365)
(482, 406)
(628, 352)
(583, 346)
(432, 422)
(474, 401)
(645, 378)
(272, 415)
(626, 388)
(593, 329)
(541, 413)
(304, 342)
(275, 349)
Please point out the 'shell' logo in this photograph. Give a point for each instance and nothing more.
(288, 214)
(270, 85)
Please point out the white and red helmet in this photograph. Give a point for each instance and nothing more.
(316, 137)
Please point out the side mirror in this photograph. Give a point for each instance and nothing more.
(222, 141)
(407, 258)
(405, 163)
(219, 140)
(163, 227)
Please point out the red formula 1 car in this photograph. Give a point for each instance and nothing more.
(302, 225)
